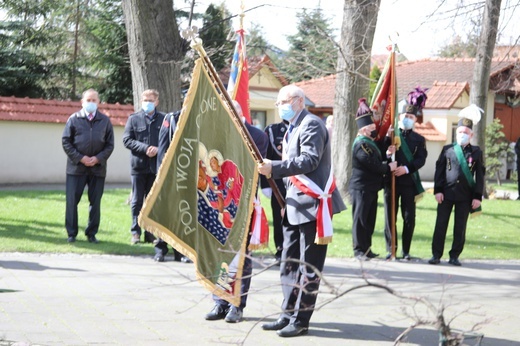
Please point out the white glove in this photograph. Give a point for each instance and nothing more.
(267, 191)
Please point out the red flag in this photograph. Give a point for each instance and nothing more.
(238, 85)
(384, 98)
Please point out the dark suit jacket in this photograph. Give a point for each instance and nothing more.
(417, 145)
(449, 178)
(307, 152)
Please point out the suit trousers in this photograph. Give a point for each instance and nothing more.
(277, 226)
(141, 186)
(364, 212)
(74, 187)
(462, 209)
(405, 194)
(300, 282)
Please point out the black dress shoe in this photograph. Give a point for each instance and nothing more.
(455, 262)
(71, 239)
(279, 324)
(293, 329)
(434, 260)
(218, 313)
(370, 254)
(93, 239)
(185, 259)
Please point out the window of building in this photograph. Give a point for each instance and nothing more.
(454, 132)
(258, 119)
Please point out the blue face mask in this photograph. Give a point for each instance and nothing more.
(89, 107)
(148, 106)
(286, 112)
(462, 139)
(408, 123)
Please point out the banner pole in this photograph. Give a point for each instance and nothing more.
(392, 121)
(197, 45)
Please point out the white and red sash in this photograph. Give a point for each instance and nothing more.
(324, 215)
(259, 227)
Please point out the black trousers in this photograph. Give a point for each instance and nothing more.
(405, 194)
(364, 212)
(300, 283)
(462, 209)
(141, 185)
(518, 175)
(74, 187)
(277, 226)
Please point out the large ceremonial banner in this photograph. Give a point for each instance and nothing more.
(203, 196)
(384, 98)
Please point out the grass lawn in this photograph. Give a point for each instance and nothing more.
(33, 221)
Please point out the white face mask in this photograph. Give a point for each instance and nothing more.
(148, 106)
(462, 138)
(407, 123)
(89, 107)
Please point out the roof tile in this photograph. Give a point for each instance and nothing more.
(53, 111)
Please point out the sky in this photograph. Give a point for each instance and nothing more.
(407, 22)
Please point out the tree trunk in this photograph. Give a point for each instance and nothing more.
(357, 34)
(156, 50)
(480, 84)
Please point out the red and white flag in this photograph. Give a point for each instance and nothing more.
(238, 84)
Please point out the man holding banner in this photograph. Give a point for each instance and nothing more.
(311, 200)
(410, 157)
(223, 309)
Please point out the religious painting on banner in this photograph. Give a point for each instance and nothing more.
(202, 199)
(384, 98)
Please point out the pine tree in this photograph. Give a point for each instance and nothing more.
(497, 148)
(313, 52)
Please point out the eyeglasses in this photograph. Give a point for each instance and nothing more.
(284, 102)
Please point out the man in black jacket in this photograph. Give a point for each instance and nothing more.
(459, 184)
(165, 137)
(88, 141)
(369, 168)
(275, 133)
(141, 137)
(410, 157)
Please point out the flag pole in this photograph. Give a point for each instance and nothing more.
(196, 43)
(392, 121)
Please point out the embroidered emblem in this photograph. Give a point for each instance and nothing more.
(366, 149)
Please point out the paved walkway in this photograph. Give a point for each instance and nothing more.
(65, 299)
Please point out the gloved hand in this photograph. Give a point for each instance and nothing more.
(267, 191)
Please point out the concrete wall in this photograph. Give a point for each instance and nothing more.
(32, 153)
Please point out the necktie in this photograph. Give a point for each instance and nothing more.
(291, 127)
(90, 116)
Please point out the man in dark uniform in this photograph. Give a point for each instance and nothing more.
(275, 133)
(165, 137)
(369, 168)
(410, 157)
(141, 137)
(459, 183)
